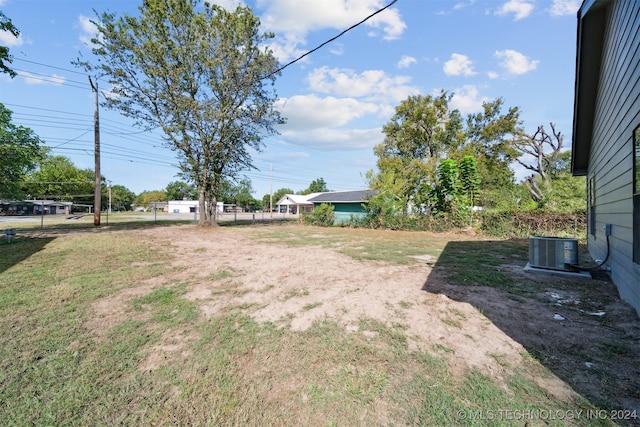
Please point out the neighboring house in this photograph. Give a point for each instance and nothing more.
(35, 207)
(159, 206)
(346, 204)
(187, 206)
(295, 203)
(606, 136)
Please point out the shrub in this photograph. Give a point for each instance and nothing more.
(321, 215)
(534, 223)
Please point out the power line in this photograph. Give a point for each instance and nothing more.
(47, 79)
(332, 39)
(51, 66)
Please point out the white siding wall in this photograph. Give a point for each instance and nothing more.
(611, 157)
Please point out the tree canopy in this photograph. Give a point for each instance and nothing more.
(433, 160)
(240, 194)
(147, 198)
(20, 151)
(5, 57)
(180, 190)
(56, 177)
(201, 74)
(121, 198)
(316, 186)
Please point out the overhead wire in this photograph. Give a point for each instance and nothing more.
(124, 134)
(332, 39)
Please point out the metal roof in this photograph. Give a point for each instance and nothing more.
(344, 196)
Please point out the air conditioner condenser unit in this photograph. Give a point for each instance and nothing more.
(553, 253)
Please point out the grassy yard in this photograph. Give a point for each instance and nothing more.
(65, 362)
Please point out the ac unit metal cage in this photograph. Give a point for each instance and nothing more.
(555, 253)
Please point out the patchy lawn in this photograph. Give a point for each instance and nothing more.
(285, 324)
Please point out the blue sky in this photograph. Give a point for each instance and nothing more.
(336, 100)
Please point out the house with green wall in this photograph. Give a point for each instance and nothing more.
(347, 204)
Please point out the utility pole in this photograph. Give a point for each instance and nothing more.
(96, 149)
(270, 191)
(109, 187)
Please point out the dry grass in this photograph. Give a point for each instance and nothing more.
(107, 328)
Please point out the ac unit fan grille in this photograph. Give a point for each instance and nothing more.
(553, 253)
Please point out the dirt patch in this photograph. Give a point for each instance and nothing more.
(114, 309)
(580, 330)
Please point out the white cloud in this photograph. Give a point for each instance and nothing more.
(88, 28)
(519, 8)
(463, 5)
(336, 139)
(515, 63)
(314, 112)
(35, 79)
(228, 4)
(458, 6)
(9, 40)
(565, 7)
(337, 49)
(467, 99)
(319, 122)
(406, 61)
(294, 19)
(459, 65)
(371, 85)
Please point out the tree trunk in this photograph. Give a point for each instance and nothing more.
(534, 189)
(202, 207)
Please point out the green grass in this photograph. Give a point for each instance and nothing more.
(67, 361)
(365, 245)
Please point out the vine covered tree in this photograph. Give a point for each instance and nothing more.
(469, 178)
(198, 72)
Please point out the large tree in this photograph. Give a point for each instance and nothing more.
(180, 190)
(121, 198)
(316, 186)
(421, 133)
(491, 136)
(422, 127)
(5, 57)
(57, 177)
(201, 74)
(424, 133)
(146, 199)
(279, 194)
(20, 151)
(240, 194)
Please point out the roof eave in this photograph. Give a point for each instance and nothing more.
(591, 27)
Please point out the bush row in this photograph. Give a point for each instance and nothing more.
(505, 224)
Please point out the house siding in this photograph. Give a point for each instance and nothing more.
(343, 212)
(617, 114)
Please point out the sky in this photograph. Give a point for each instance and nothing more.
(336, 100)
